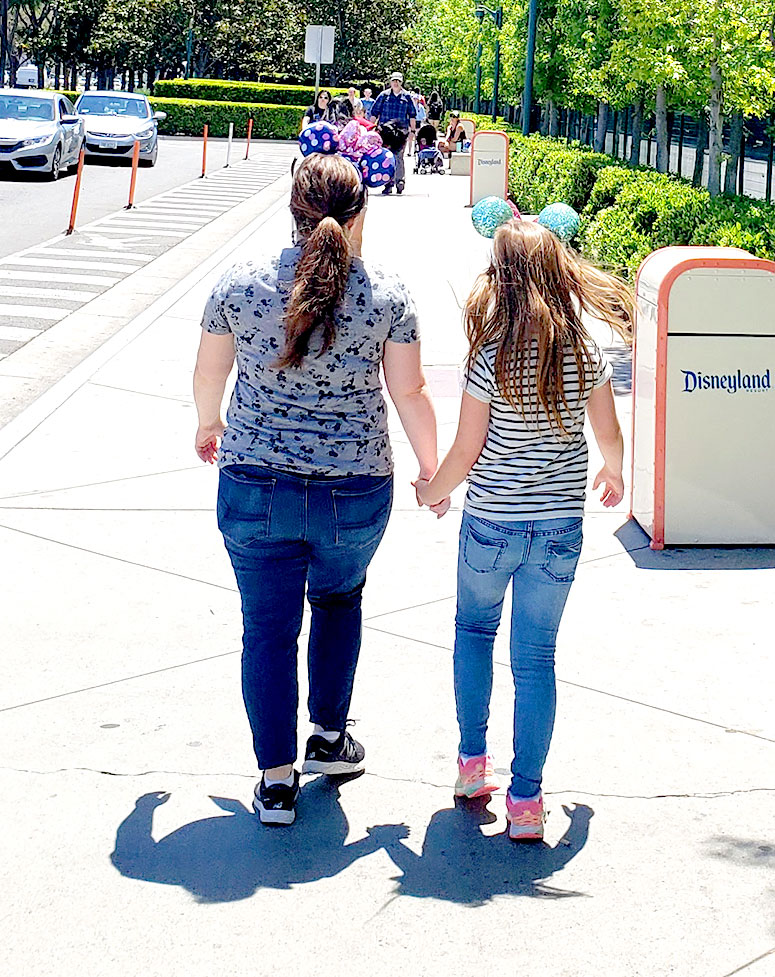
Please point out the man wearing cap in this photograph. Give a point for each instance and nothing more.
(396, 105)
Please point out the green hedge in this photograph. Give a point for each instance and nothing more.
(187, 117)
(626, 213)
(206, 89)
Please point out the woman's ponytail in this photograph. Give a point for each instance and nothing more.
(326, 194)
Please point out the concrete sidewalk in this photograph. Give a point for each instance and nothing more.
(127, 770)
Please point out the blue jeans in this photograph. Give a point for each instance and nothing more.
(285, 533)
(540, 557)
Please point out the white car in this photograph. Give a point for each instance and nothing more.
(114, 120)
(39, 131)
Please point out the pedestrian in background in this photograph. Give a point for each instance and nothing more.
(533, 374)
(395, 105)
(321, 111)
(367, 102)
(435, 109)
(306, 483)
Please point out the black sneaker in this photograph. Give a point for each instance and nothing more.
(388, 189)
(277, 804)
(345, 755)
(400, 187)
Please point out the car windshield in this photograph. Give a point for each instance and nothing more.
(133, 108)
(25, 107)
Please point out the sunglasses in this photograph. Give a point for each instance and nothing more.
(326, 97)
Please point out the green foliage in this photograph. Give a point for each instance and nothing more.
(626, 213)
(210, 90)
(187, 117)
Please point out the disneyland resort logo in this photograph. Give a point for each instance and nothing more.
(731, 382)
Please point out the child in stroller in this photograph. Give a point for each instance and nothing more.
(428, 158)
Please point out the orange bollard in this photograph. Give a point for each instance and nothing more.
(204, 150)
(250, 132)
(133, 180)
(76, 193)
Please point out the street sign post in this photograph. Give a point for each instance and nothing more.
(318, 49)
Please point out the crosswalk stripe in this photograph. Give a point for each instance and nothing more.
(160, 220)
(140, 231)
(87, 253)
(59, 262)
(42, 276)
(61, 295)
(17, 334)
(33, 312)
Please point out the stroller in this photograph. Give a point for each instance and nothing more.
(428, 158)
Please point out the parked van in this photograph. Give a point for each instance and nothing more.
(27, 76)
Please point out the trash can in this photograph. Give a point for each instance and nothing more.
(703, 432)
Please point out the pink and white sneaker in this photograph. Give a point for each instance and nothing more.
(526, 818)
(475, 777)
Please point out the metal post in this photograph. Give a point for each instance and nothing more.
(204, 150)
(133, 180)
(615, 134)
(741, 172)
(681, 129)
(527, 97)
(228, 145)
(497, 79)
(76, 192)
(478, 77)
(768, 189)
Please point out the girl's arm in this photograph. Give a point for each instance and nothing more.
(213, 365)
(469, 441)
(605, 426)
(409, 391)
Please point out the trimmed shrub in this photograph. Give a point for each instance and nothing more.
(208, 90)
(187, 117)
(71, 95)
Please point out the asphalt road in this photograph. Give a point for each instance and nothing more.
(33, 210)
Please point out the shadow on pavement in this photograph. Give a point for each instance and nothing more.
(636, 542)
(225, 859)
(460, 864)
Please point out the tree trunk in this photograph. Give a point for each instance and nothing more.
(554, 120)
(130, 81)
(735, 139)
(544, 127)
(637, 132)
(601, 129)
(41, 74)
(87, 80)
(716, 122)
(663, 150)
(699, 152)
(57, 67)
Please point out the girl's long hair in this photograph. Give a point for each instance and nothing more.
(327, 192)
(530, 301)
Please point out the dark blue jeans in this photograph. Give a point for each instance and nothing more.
(285, 533)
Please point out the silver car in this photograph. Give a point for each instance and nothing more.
(114, 120)
(39, 131)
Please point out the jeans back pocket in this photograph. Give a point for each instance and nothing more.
(244, 507)
(562, 556)
(361, 515)
(482, 553)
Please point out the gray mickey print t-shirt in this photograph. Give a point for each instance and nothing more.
(327, 417)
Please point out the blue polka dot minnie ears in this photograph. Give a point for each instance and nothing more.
(489, 213)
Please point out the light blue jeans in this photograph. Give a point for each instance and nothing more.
(540, 557)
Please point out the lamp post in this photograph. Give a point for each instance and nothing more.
(497, 16)
(478, 73)
(527, 95)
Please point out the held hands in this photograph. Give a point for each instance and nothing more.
(421, 485)
(208, 437)
(613, 486)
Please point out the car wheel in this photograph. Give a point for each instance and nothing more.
(53, 173)
(73, 167)
(151, 161)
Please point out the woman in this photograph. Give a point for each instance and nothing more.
(322, 110)
(455, 133)
(435, 109)
(306, 479)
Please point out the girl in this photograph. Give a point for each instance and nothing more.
(306, 481)
(533, 372)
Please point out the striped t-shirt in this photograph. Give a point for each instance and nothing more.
(527, 470)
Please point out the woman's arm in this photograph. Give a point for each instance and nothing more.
(605, 426)
(213, 365)
(408, 390)
(469, 441)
